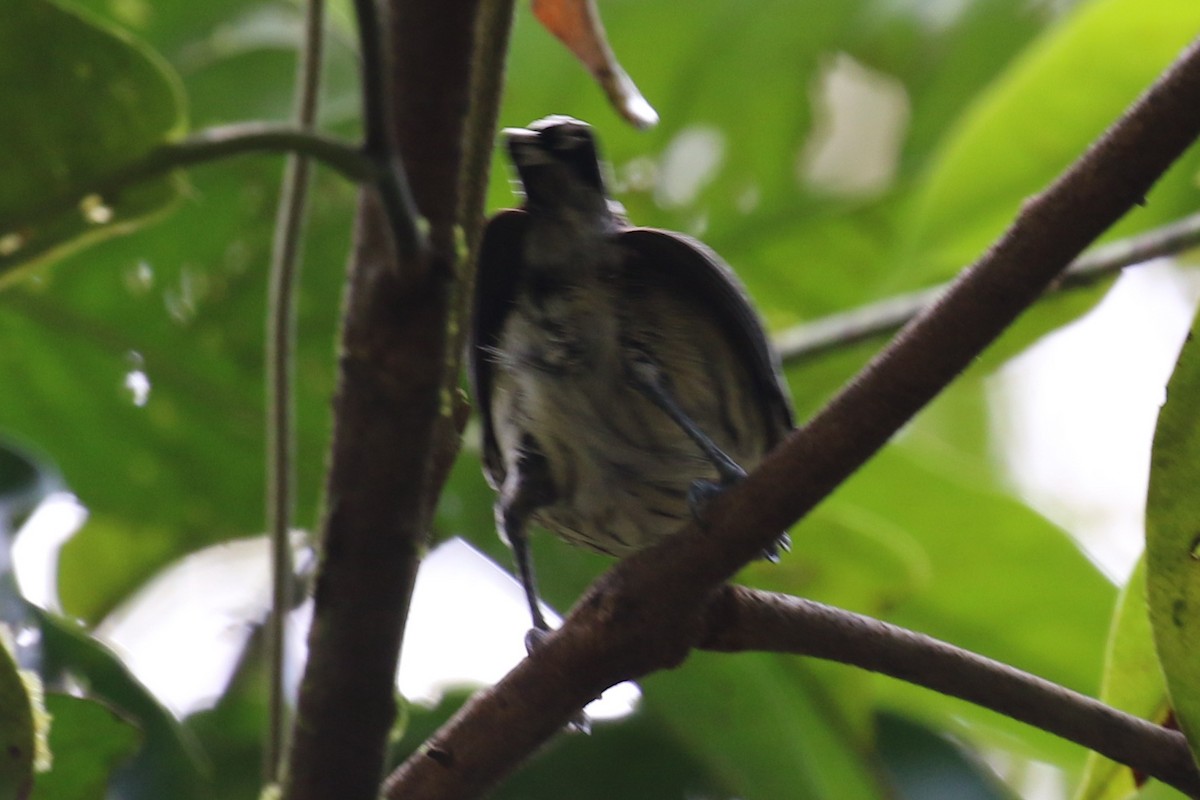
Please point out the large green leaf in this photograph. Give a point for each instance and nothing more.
(1039, 116)
(992, 567)
(1172, 543)
(82, 102)
(180, 305)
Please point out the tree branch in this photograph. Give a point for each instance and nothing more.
(646, 613)
(395, 420)
(743, 619)
(875, 320)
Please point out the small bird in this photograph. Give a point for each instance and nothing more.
(621, 374)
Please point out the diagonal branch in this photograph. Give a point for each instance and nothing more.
(647, 612)
(742, 619)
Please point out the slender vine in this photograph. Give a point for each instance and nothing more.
(280, 357)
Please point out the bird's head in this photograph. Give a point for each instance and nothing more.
(558, 165)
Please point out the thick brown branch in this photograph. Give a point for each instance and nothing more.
(395, 422)
(644, 614)
(746, 619)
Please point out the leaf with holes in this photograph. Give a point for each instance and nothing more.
(81, 103)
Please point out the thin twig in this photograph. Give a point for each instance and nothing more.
(487, 82)
(885, 317)
(647, 612)
(280, 355)
(742, 619)
(213, 144)
(488, 64)
(394, 191)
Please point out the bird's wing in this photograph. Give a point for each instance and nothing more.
(686, 262)
(500, 254)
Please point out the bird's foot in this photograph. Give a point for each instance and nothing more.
(703, 491)
(534, 639)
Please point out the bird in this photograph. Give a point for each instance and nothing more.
(621, 374)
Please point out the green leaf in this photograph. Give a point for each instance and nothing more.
(1039, 116)
(181, 304)
(18, 738)
(1132, 682)
(1173, 538)
(88, 740)
(992, 567)
(924, 764)
(82, 103)
(747, 715)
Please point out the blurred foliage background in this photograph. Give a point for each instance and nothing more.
(834, 151)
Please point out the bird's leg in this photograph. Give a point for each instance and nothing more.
(655, 385)
(511, 523)
(526, 488)
(651, 381)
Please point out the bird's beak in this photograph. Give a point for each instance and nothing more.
(525, 147)
(519, 134)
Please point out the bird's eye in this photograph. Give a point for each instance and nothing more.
(566, 140)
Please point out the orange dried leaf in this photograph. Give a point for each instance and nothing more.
(577, 24)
